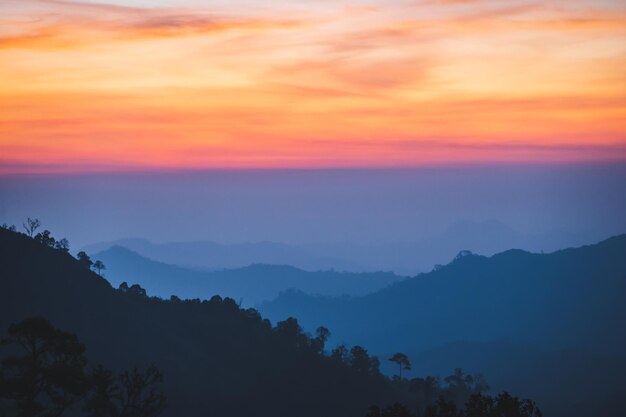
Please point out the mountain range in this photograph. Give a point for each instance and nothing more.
(544, 325)
(568, 298)
(249, 285)
(216, 358)
(404, 258)
(549, 326)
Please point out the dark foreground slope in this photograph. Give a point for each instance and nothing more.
(572, 298)
(217, 359)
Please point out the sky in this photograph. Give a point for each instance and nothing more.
(125, 86)
(368, 206)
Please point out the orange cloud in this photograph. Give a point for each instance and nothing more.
(91, 86)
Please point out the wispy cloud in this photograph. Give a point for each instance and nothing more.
(282, 84)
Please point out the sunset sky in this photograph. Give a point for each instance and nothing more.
(142, 85)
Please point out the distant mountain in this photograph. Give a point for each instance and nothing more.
(251, 284)
(485, 238)
(216, 358)
(405, 258)
(212, 255)
(572, 298)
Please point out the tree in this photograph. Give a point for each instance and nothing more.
(104, 391)
(131, 394)
(7, 227)
(99, 265)
(31, 225)
(425, 391)
(84, 260)
(49, 377)
(139, 396)
(322, 335)
(504, 404)
(137, 291)
(460, 386)
(63, 245)
(45, 238)
(340, 354)
(443, 408)
(360, 360)
(402, 361)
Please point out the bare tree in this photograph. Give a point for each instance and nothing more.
(402, 361)
(99, 265)
(31, 225)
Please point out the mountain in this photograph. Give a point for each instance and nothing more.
(546, 326)
(212, 255)
(571, 298)
(251, 284)
(412, 257)
(405, 258)
(217, 359)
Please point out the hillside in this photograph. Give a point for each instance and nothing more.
(572, 298)
(217, 359)
(565, 382)
(249, 285)
(561, 317)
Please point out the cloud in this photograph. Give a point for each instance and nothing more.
(377, 85)
(74, 24)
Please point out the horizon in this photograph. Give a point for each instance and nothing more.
(320, 206)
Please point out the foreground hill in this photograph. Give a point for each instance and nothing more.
(217, 358)
(572, 298)
(565, 382)
(250, 285)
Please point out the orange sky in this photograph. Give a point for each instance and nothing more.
(147, 84)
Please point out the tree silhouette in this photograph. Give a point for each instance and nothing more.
(137, 291)
(49, 377)
(402, 361)
(360, 360)
(10, 228)
(104, 392)
(139, 396)
(443, 408)
(63, 245)
(322, 335)
(45, 238)
(31, 225)
(99, 266)
(460, 386)
(84, 259)
(340, 354)
(131, 394)
(502, 405)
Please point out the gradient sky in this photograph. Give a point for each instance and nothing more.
(135, 85)
(303, 206)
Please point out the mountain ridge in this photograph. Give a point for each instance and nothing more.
(500, 284)
(253, 283)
